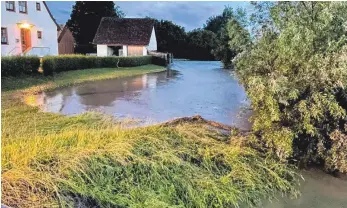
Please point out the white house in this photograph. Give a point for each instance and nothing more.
(28, 27)
(125, 37)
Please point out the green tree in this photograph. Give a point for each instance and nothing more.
(85, 19)
(170, 38)
(239, 38)
(295, 75)
(226, 27)
(200, 44)
(216, 23)
(222, 50)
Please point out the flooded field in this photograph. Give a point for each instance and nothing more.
(192, 88)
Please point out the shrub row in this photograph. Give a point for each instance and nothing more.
(17, 65)
(52, 64)
(159, 61)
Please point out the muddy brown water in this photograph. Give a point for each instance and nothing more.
(318, 190)
(194, 87)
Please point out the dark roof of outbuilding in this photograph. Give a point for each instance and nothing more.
(63, 31)
(124, 31)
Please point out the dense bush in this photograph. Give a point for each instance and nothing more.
(17, 65)
(134, 61)
(295, 75)
(159, 61)
(52, 64)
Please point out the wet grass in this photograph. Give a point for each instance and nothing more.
(90, 160)
(39, 82)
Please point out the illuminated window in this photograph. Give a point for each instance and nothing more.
(4, 35)
(10, 6)
(23, 7)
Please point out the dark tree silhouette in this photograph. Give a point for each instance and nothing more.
(217, 24)
(170, 38)
(200, 44)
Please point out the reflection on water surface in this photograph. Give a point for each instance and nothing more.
(194, 87)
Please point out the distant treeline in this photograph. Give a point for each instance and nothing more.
(208, 43)
(211, 42)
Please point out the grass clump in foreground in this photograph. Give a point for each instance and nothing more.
(90, 160)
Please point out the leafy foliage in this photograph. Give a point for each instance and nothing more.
(216, 23)
(171, 38)
(231, 35)
(293, 74)
(337, 154)
(19, 65)
(200, 44)
(212, 42)
(221, 49)
(51, 64)
(196, 45)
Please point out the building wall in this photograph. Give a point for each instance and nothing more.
(135, 50)
(103, 50)
(125, 50)
(144, 51)
(40, 21)
(152, 46)
(66, 43)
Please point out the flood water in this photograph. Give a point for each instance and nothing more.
(192, 88)
(318, 190)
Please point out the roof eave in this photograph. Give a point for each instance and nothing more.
(50, 14)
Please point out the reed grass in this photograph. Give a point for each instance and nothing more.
(51, 160)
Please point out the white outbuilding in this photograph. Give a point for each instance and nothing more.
(125, 37)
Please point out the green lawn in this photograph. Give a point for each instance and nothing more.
(54, 160)
(40, 82)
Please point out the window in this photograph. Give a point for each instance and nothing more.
(23, 7)
(38, 6)
(10, 6)
(39, 34)
(4, 35)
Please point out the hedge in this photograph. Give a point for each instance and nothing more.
(52, 64)
(159, 61)
(18, 65)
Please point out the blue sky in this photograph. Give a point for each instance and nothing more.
(190, 15)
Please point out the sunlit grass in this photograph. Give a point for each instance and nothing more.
(91, 160)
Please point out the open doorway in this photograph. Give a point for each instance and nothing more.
(117, 50)
(25, 38)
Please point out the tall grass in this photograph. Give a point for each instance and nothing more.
(91, 160)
